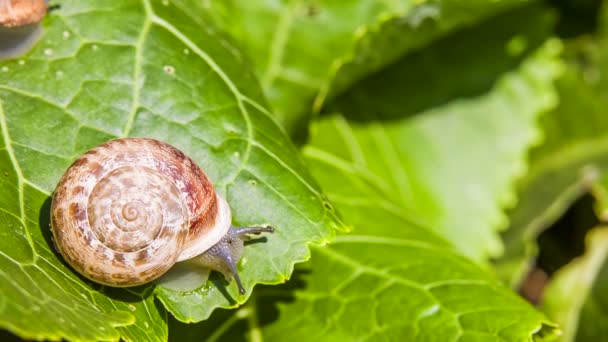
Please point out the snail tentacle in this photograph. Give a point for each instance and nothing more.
(243, 232)
(224, 255)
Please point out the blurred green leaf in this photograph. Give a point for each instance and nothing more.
(600, 193)
(307, 50)
(464, 64)
(573, 156)
(394, 278)
(465, 147)
(577, 297)
(110, 69)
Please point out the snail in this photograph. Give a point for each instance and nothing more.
(129, 210)
(20, 26)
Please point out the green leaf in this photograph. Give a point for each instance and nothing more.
(40, 297)
(573, 156)
(456, 163)
(577, 296)
(464, 64)
(109, 69)
(394, 278)
(306, 50)
(389, 294)
(600, 193)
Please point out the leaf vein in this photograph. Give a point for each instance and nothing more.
(137, 68)
(13, 158)
(215, 67)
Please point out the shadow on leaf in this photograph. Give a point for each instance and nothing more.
(462, 65)
(233, 325)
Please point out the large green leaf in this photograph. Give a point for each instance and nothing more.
(304, 49)
(109, 69)
(394, 278)
(460, 157)
(573, 156)
(577, 297)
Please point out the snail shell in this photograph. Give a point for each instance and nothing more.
(15, 13)
(19, 26)
(126, 211)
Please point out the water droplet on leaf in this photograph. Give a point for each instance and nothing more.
(169, 70)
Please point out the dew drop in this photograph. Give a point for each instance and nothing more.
(166, 2)
(36, 308)
(169, 70)
(66, 35)
(146, 325)
(131, 307)
(433, 309)
(21, 62)
(95, 47)
(48, 52)
(59, 74)
(4, 69)
(186, 52)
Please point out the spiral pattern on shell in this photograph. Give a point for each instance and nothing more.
(127, 210)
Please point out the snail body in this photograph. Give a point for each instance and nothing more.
(128, 210)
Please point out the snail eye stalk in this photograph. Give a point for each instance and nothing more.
(224, 255)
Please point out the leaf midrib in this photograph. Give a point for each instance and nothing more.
(11, 153)
(141, 40)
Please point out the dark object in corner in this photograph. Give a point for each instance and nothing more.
(20, 26)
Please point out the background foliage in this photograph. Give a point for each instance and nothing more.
(428, 159)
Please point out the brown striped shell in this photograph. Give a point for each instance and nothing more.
(21, 12)
(128, 210)
(20, 26)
